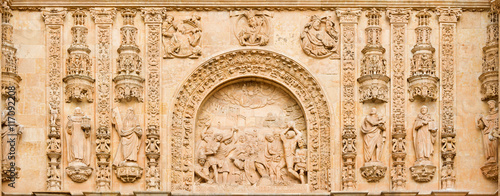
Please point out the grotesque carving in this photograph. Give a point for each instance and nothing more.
(11, 133)
(79, 81)
(424, 137)
(373, 81)
(252, 28)
(423, 80)
(78, 129)
(489, 127)
(373, 128)
(129, 83)
(320, 38)
(182, 39)
(130, 132)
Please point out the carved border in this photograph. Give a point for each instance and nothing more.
(348, 25)
(256, 63)
(399, 20)
(153, 18)
(103, 19)
(448, 18)
(53, 19)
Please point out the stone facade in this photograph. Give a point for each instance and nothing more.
(261, 97)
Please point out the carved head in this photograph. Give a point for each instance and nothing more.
(301, 143)
(290, 134)
(78, 111)
(270, 138)
(373, 111)
(424, 110)
(218, 137)
(492, 104)
(242, 139)
(202, 159)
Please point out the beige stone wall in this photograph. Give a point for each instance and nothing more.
(217, 38)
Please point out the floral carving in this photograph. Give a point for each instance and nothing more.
(182, 39)
(240, 64)
(252, 28)
(320, 38)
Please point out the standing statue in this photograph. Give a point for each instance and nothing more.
(373, 128)
(11, 131)
(489, 127)
(424, 136)
(78, 129)
(290, 136)
(130, 133)
(274, 156)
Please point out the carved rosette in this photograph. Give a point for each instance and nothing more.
(348, 24)
(398, 18)
(258, 64)
(53, 19)
(489, 76)
(423, 173)
(153, 18)
(373, 83)
(78, 81)
(103, 19)
(423, 82)
(448, 18)
(129, 83)
(9, 58)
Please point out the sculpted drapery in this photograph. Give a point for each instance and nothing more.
(424, 135)
(130, 133)
(373, 128)
(489, 125)
(79, 132)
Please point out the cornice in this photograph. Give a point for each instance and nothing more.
(223, 5)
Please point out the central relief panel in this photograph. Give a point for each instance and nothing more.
(250, 135)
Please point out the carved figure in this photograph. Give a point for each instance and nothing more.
(424, 136)
(130, 132)
(182, 40)
(226, 146)
(274, 156)
(317, 41)
(290, 136)
(54, 112)
(11, 131)
(301, 160)
(373, 128)
(256, 31)
(489, 126)
(79, 146)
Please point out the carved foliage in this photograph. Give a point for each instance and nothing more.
(182, 39)
(252, 28)
(53, 20)
(239, 64)
(320, 37)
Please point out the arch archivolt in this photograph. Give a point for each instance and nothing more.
(266, 66)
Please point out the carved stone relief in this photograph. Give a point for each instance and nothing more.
(423, 81)
(9, 58)
(182, 39)
(104, 20)
(78, 130)
(79, 81)
(489, 129)
(320, 38)
(251, 133)
(130, 132)
(398, 18)
(424, 136)
(489, 77)
(129, 83)
(53, 19)
(373, 129)
(240, 64)
(11, 131)
(252, 27)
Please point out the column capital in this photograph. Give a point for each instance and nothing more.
(103, 15)
(54, 16)
(349, 15)
(153, 15)
(398, 15)
(448, 15)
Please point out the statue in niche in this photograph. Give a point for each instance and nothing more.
(130, 133)
(11, 131)
(182, 40)
(290, 136)
(317, 41)
(424, 136)
(54, 112)
(373, 128)
(78, 129)
(256, 30)
(489, 127)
